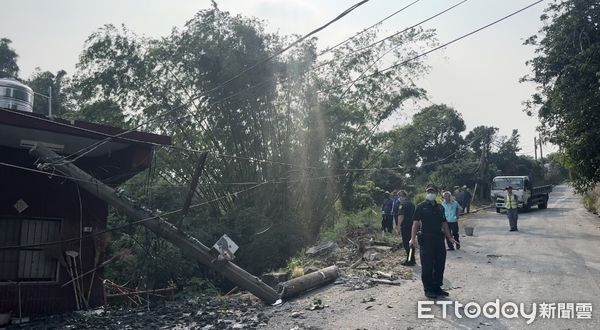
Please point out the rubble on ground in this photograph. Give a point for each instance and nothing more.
(240, 311)
(365, 257)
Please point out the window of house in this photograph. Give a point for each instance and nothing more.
(28, 264)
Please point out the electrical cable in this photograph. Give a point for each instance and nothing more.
(401, 63)
(272, 79)
(366, 29)
(228, 81)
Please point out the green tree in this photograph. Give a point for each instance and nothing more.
(437, 129)
(8, 60)
(480, 138)
(566, 69)
(102, 111)
(40, 82)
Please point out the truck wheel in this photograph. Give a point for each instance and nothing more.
(544, 205)
(497, 210)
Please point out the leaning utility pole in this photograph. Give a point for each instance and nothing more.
(535, 146)
(188, 245)
(541, 153)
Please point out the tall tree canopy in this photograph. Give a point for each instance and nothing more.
(8, 60)
(295, 123)
(567, 71)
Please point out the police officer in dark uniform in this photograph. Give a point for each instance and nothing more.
(431, 226)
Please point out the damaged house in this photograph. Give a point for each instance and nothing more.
(37, 208)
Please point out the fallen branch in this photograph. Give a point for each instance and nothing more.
(92, 270)
(169, 290)
(232, 291)
(356, 263)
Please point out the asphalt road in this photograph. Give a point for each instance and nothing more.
(553, 259)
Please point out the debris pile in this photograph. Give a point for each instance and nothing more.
(364, 257)
(240, 311)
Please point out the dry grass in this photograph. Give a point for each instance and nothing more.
(591, 199)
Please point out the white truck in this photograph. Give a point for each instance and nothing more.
(526, 193)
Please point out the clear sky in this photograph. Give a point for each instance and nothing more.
(478, 76)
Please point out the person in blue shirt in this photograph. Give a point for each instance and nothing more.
(451, 210)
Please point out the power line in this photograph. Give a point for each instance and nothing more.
(341, 15)
(272, 79)
(436, 48)
(87, 130)
(344, 13)
(403, 63)
(351, 83)
(410, 27)
(348, 55)
(101, 232)
(75, 239)
(461, 37)
(366, 29)
(50, 174)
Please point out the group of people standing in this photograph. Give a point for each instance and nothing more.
(428, 223)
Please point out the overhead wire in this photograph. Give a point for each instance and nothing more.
(352, 82)
(243, 72)
(394, 66)
(90, 148)
(309, 69)
(462, 36)
(156, 216)
(328, 49)
(397, 65)
(129, 224)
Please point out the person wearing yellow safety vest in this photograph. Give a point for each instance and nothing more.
(511, 203)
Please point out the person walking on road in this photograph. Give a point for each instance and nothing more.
(430, 221)
(386, 214)
(405, 222)
(459, 195)
(451, 210)
(511, 203)
(466, 199)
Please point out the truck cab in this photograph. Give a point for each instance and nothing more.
(523, 188)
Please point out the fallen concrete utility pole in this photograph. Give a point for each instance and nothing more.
(308, 282)
(188, 245)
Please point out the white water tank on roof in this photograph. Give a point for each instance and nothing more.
(15, 95)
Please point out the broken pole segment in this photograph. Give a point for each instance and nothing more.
(188, 245)
(298, 285)
(193, 186)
